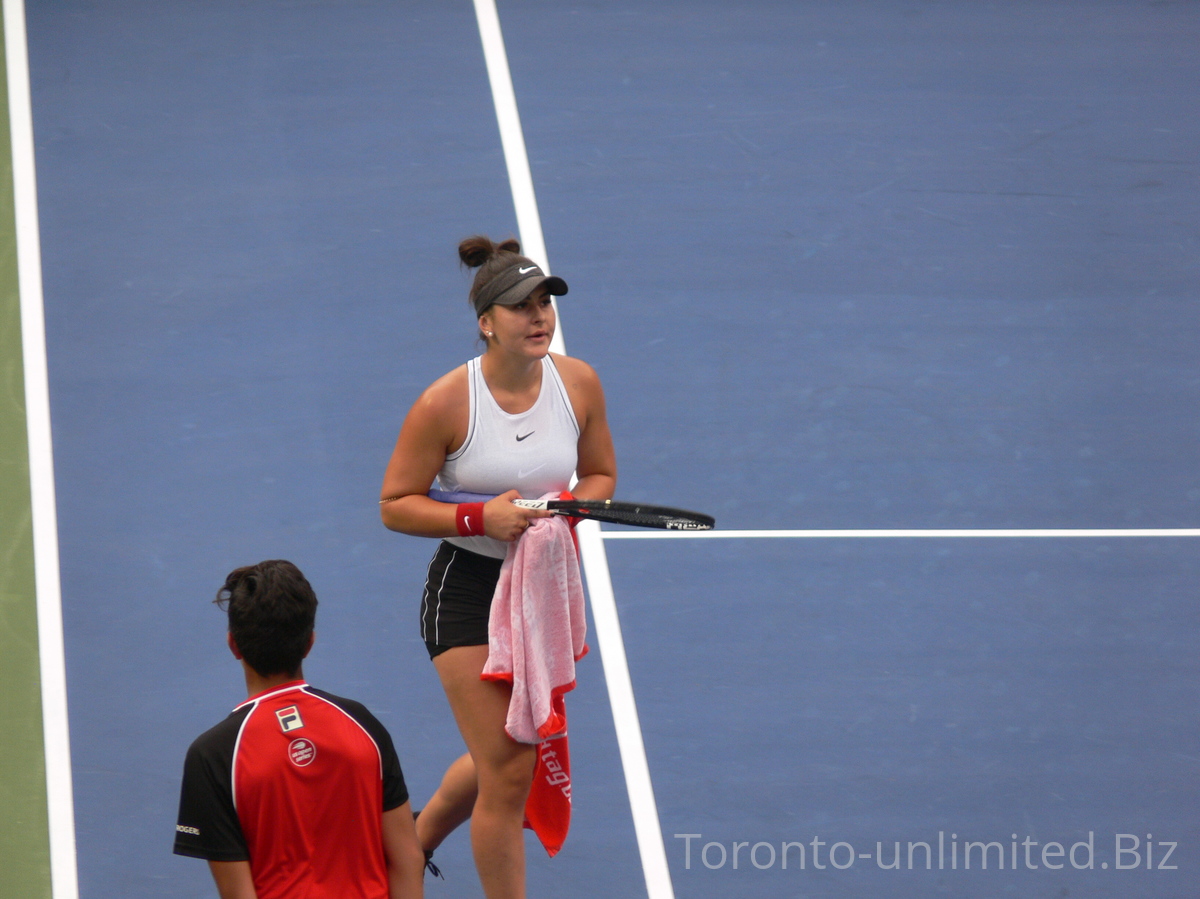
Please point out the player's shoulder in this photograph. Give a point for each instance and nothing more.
(571, 364)
(440, 412)
(221, 737)
(342, 702)
(582, 384)
(351, 707)
(447, 393)
(451, 382)
(575, 370)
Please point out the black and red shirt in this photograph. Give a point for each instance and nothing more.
(295, 781)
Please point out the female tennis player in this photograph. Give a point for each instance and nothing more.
(516, 421)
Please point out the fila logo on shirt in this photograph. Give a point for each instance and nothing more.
(289, 719)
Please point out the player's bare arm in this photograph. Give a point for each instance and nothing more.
(597, 465)
(436, 426)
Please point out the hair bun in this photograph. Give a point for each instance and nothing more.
(475, 251)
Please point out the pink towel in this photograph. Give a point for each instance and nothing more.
(537, 628)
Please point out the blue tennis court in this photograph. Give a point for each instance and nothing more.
(907, 272)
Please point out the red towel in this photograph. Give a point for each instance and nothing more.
(548, 808)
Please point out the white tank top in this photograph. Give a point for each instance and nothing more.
(534, 452)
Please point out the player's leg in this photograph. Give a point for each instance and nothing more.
(450, 805)
(503, 770)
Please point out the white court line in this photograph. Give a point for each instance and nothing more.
(595, 562)
(55, 735)
(1010, 533)
(512, 139)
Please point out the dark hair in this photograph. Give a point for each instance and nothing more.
(490, 258)
(272, 610)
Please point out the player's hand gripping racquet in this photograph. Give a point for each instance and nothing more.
(637, 514)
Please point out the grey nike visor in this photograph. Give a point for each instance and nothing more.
(515, 283)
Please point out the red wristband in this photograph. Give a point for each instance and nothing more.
(469, 519)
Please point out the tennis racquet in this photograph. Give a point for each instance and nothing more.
(637, 514)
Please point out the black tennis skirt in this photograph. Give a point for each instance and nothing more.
(458, 598)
